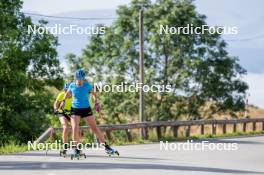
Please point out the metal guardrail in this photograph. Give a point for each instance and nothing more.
(173, 124)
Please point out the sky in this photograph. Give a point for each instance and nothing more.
(247, 15)
(61, 6)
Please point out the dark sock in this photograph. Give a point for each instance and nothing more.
(107, 146)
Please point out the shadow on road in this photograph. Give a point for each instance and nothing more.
(34, 154)
(28, 165)
(230, 141)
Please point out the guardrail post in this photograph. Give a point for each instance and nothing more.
(254, 126)
(188, 131)
(129, 136)
(202, 129)
(81, 133)
(108, 135)
(175, 130)
(52, 133)
(245, 127)
(158, 128)
(234, 127)
(224, 128)
(164, 130)
(146, 135)
(213, 129)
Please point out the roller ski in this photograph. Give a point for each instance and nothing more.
(77, 155)
(110, 151)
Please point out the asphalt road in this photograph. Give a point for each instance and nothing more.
(145, 159)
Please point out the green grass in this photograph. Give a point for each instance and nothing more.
(12, 147)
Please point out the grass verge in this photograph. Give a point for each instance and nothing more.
(12, 147)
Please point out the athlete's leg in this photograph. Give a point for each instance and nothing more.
(64, 124)
(75, 120)
(92, 123)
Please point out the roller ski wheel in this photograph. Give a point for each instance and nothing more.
(78, 156)
(112, 152)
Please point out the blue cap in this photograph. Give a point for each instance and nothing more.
(66, 86)
(79, 74)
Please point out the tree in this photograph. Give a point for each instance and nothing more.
(197, 66)
(28, 65)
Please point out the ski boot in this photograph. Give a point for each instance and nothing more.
(110, 151)
(63, 152)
